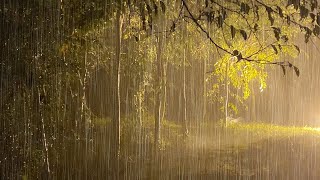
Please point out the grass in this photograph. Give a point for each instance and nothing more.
(230, 150)
(271, 130)
(214, 135)
(241, 135)
(131, 130)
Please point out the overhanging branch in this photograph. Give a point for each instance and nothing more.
(248, 58)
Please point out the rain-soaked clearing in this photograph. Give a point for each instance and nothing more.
(159, 90)
(240, 151)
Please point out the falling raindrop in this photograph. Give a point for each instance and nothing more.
(159, 89)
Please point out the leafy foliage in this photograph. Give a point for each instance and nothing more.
(261, 40)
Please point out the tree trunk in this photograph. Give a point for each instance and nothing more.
(185, 123)
(116, 105)
(227, 94)
(43, 130)
(158, 84)
(204, 93)
(164, 96)
(253, 105)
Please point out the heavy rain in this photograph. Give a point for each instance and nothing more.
(159, 89)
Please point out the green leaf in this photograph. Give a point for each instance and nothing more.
(163, 6)
(245, 8)
(220, 21)
(283, 69)
(280, 11)
(313, 17)
(274, 48)
(276, 32)
(173, 26)
(233, 31)
(303, 12)
(235, 53)
(149, 9)
(316, 30)
(239, 57)
(306, 38)
(296, 70)
(143, 17)
(210, 16)
(297, 48)
(136, 38)
(244, 34)
(318, 19)
(285, 38)
(155, 8)
(256, 11)
(288, 20)
(255, 27)
(296, 4)
(308, 34)
(314, 4)
(290, 2)
(224, 13)
(150, 23)
(269, 11)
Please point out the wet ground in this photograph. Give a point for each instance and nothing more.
(229, 154)
(208, 153)
(289, 158)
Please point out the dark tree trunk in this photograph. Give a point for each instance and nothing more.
(116, 105)
(158, 85)
(185, 123)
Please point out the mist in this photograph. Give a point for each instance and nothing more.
(158, 89)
